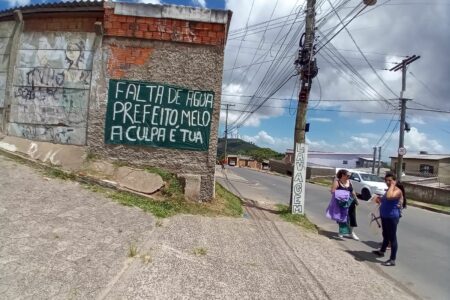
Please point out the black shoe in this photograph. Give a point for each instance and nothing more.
(378, 253)
(389, 263)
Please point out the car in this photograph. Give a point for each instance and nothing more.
(367, 184)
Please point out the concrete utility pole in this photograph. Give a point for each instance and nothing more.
(401, 145)
(374, 159)
(379, 161)
(226, 129)
(307, 68)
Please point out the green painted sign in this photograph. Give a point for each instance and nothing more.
(158, 115)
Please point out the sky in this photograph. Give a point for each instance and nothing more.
(353, 106)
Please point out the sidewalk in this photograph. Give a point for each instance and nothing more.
(61, 241)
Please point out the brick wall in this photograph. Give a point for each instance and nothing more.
(164, 29)
(63, 22)
(123, 58)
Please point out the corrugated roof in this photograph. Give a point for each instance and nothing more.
(425, 156)
(54, 6)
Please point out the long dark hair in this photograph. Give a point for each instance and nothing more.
(398, 185)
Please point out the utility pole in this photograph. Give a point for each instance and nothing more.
(307, 68)
(379, 161)
(401, 145)
(226, 130)
(374, 159)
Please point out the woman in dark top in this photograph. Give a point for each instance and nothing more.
(342, 182)
(390, 212)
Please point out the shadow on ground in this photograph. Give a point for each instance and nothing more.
(364, 256)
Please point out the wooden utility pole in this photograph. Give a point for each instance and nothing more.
(401, 144)
(379, 161)
(226, 130)
(307, 68)
(374, 159)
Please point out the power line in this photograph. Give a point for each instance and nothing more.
(360, 51)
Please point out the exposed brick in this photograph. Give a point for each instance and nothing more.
(212, 34)
(218, 27)
(143, 27)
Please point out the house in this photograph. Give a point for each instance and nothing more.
(243, 161)
(425, 165)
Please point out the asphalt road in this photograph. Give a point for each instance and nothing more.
(423, 262)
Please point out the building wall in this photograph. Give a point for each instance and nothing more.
(335, 160)
(444, 171)
(169, 52)
(58, 80)
(51, 86)
(412, 166)
(6, 38)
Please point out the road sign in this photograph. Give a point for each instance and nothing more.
(402, 151)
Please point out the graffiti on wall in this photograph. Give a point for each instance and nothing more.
(51, 87)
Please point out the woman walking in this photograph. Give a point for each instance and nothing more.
(390, 211)
(342, 183)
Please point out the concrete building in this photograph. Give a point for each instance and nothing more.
(425, 165)
(137, 83)
(333, 159)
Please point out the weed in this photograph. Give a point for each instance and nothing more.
(132, 250)
(57, 173)
(200, 251)
(90, 156)
(173, 186)
(158, 223)
(146, 258)
(300, 220)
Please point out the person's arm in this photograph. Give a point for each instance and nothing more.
(334, 186)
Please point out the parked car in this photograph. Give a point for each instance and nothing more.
(367, 184)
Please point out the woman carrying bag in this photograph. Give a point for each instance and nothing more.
(342, 207)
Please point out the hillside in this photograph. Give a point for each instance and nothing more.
(238, 146)
(235, 146)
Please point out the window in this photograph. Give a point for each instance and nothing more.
(355, 176)
(345, 162)
(426, 169)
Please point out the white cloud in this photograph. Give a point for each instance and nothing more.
(416, 141)
(416, 120)
(324, 120)
(263, 139)
(17, 3)
(366, 121)
(201, 3)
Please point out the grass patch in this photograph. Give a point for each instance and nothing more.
(321, 181)
(435, 206)
(132, 250)
(301, 220)
(57, 173)
(225, 204)
(200, 251)
(232, 204)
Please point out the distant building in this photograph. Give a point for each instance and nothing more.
(243, 161)
(425, 165)
(333, 159)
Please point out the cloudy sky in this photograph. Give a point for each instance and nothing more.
(352, 106)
